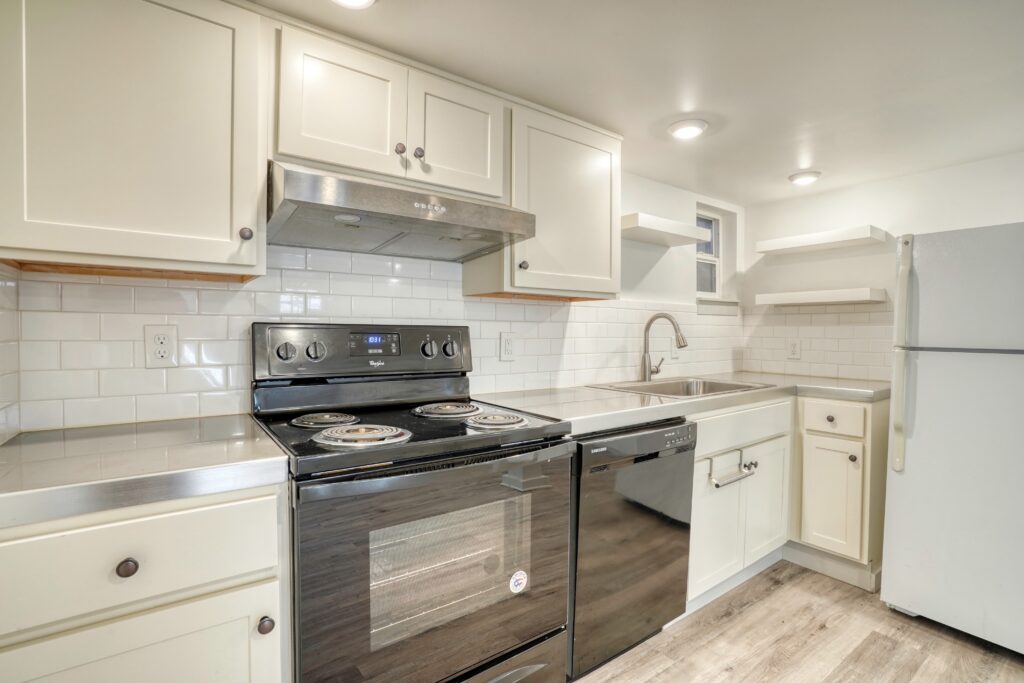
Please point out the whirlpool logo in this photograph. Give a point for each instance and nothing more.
(376, 363)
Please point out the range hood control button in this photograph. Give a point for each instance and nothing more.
(428, 348)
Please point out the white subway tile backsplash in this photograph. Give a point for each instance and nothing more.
(124, 326)
(131, 382)
(329, 261)
(166, 406)
(56, 326)
(36, 415)
(83, 412)
(223, 402)
(39, 355)
(305, 281)
(270, 303)
(286, 257)
(411, 267)
(98, 298)
(444, 270)
(226, 302)
(223, 352)
(154, 300)
(373, 307)
(332, 305)
(349, 283)
(181, 380)
(371, 264)
(392, 286)
(99, 354)
(48, 384)
(38, 296)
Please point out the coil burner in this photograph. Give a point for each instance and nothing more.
(362, 436)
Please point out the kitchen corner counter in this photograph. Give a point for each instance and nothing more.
(593, 409)
(839, 389)
(61, 473)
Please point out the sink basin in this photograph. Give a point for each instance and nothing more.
(682, 387)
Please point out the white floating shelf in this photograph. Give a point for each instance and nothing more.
(858, 295)
(643, 227)
(829, 239)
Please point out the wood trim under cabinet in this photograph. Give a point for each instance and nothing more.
(533, 297)
(122, 271)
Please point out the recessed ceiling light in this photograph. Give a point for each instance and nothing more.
(686, 130)
(355, 4)
(348, 218)
(805, 177)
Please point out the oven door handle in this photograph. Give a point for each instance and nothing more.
(308, 492)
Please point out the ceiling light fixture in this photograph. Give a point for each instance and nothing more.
(354, 4)
(804, 177)
(687, 130)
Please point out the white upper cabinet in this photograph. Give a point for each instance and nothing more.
(129, 133)
(456, 135)
(568, 176)
(343, 106)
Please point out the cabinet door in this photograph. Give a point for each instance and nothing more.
(766, 499)
(833, 482)
(212, 640)
(130, 128)
(569, 177)
(461, 132)
(716, 536)
(341, 105)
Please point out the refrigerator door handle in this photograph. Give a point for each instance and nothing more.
(899, 409)
(904, 254)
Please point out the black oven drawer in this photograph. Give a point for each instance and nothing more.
(545, 662)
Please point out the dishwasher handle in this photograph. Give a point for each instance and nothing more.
(622, 463)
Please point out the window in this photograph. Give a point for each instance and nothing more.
(709, 270)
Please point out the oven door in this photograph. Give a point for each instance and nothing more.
(422, 572)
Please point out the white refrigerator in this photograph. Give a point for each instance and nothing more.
(954, 509)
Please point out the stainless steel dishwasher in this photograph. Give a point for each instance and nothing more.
(631, 540)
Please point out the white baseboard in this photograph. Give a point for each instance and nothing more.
(839, 568)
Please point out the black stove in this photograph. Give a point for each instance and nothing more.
(341, 398)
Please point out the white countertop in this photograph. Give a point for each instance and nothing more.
(592, 409)
(63, 472)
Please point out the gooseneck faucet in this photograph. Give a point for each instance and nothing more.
(646, 369)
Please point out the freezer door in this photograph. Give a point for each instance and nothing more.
(966, 289)
(954, 520)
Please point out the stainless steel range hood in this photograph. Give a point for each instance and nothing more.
(311, 208)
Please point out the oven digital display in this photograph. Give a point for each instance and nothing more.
(374, 344)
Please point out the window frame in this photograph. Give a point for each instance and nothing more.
(715, 259)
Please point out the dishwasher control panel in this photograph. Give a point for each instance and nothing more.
(644, 440)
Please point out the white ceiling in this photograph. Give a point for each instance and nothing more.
(861, 89)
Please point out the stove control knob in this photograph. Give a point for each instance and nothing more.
(450, 349)
(316, 351)
(286, 351)
(428, 348)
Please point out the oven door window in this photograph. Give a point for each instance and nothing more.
(429, 572)
(420, 576)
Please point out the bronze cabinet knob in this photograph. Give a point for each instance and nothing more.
(853, 458)
(400, 148)
(127, 567)
(831, 418)
(265, 626)
(419, 153)
(246, 233)
(524, 265)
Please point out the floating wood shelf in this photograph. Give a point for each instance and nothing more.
(643, 227)
(858, 295)
(829, 239)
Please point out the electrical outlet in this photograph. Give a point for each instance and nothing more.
(793, 348)
(673, 350)
(161, 345)
(506, 346)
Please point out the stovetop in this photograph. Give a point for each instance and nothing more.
(431, 437)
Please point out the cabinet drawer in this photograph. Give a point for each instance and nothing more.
(722, 432)
(542, 663)
(49, 578)
(834, 418)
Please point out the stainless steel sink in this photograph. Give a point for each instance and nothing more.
(682, 387)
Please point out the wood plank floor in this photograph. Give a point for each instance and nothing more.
(791, 624)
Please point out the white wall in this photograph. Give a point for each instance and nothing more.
(988, 192)
(655, 273)
(855, 340)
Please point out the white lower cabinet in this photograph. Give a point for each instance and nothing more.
(739, 511)
(212, 640)
(833, 485)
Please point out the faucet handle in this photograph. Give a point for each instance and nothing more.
(657, 368)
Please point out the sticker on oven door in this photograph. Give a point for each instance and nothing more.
(517, 584)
